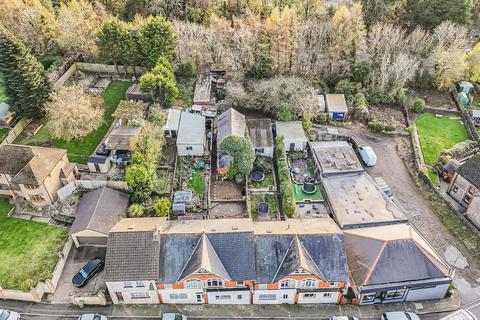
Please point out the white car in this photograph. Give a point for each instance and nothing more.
(92, 316)
(368, 155)
(8, 315)
(343, 318)
(173, 316)
(400, 315)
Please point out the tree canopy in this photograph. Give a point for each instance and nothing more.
(242, 151)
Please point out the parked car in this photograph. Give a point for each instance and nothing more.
(343, 318)
(383, 186)
(87, 272)
(92, 316)
(173, 316)
(400, 315)
(368, 155)
(460, 314)
(8, 315)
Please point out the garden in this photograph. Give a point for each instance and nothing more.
(80, 149)
(302, 170)
(29, 250)
(262, 175)
(439, 133)
(189, 175)
(267, 209)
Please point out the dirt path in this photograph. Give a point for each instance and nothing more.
(392, 168)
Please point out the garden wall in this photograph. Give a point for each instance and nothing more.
(70, 188)
(47, 286)
(98, 299)
(15, 131)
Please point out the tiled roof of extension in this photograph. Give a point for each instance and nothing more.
(470, 170)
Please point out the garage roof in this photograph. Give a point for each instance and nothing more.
(99, 210)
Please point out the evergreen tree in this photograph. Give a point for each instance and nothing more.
(25, 80)
(115, 43)
(157, 39)
(160, 82)
(430, 13)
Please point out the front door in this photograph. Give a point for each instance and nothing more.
(119, 297)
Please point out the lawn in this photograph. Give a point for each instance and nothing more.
(3, 97)
(433, 176)
(80, 150)
(197, 184)
(3, 133)
(301, 196)
(255, 198)
(162, 181)
(268, 181)
(437, 134)
(29, 250)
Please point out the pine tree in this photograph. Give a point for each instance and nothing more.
(157, 39)
(115, 43)
(25, 80)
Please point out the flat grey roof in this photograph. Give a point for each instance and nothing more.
(357, 202)
(291, 131)
(334, 157)
(173, 119)
(202, 90)
(336, 103)
(191, 129)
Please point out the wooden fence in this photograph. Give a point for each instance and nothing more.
(15, 131)
(70, 188)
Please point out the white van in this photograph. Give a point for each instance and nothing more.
(460, 314)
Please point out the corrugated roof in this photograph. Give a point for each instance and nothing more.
(27, 164)
(99, 210)
(291, 131)
(470, 170)
(191, 129)
(132, 256)
(260, 132)
(230, 123)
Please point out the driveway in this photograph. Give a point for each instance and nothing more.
(392, 168)
(76, 260)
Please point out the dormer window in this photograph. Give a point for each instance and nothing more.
(309, 283)
(214, 283)
(193, 284)
(284, 284)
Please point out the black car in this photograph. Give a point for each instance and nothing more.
(87, 272)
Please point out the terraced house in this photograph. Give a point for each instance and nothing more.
(228, 261)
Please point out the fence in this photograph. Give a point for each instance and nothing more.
(47, 286)
(96, 68)
(15, 131)
(70, 188)
(467, 121)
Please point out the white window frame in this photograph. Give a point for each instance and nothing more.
(267, 296)
(288, 284)
(178, 296)
(194, 284)
(139, 295)
(214, 283)
(309, 283)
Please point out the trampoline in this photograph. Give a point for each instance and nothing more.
(263, 208)
(309, 186)
(258, 176)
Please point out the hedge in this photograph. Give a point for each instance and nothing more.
(286, 191)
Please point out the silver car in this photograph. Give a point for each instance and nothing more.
(92, 316)
(8, 315)
(400, 315)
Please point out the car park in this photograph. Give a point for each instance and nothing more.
(87, 272)
(368, 155)
(92, 316)
(400, 315)
(8, 315)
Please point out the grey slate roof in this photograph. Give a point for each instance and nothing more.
(132, 256)
(99, 210)
(470, 170)
(374, 262)
(230, 123)
(175, 251)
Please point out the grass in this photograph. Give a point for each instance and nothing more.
(268, 181)
(186, 87)
(79, 150)
(197, 184)
(433, 176)
(255, 198)
(162, 180)
(3, 133)
(437, 134)
(29, 250)
(301, 196)
(3, 97)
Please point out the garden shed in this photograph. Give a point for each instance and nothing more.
(170, 129)
(98, 211)
(261, 136)
(191, 135)
(99, 164)
(119, 138)
(336, 106)
(134, 94)
(6, 116)
(475, 114)
(465, 87)
(293, 135)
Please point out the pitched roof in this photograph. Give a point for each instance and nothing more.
(291, 131)
(132, 256)
(270, 252)
(191, 129)
(204, 258)
(470, 170)
(99, 210)
(379, 255)
(261, 132)
(230, 123)
(27, 164)
(119, 138)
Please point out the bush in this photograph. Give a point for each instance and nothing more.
(156, 115)
(187, 69)
(136, 210)
(458, 151)
(320, 119)
(348, 88)
(360, 72)
(307, 123)
(286, 192)
(389, 127)
(376, 126)
(360, 107)
(162, 207)
(419, 105)
(284, 114)
(241, 149)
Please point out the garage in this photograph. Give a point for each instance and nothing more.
(97, 212)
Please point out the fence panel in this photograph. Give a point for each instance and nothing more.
(15, 131)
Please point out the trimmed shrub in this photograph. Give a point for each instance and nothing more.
(361, 107)
(286, 191)
(419, 105)
(320, 119)
(136, 210)
(376, 126)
